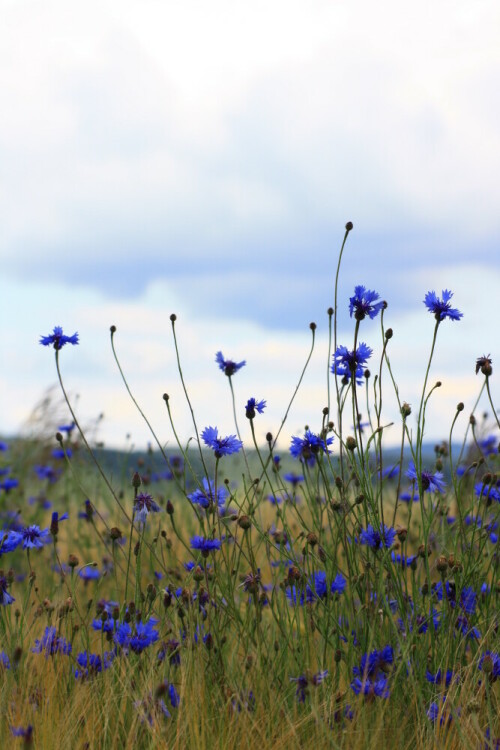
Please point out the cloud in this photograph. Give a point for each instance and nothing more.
(173, 141)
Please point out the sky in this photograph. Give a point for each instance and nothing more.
(203, 158)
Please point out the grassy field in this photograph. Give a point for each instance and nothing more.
(227, 596)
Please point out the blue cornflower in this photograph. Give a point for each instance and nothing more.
(89, 573)
(252, 406)
(205, 545)
(293, 478)
(5, 597)
(67, 428)
(220, 446)
(303, 682)
(34, 536)
(489, 663)
(430, 482)
(9, 540)
(409, 496)
(51, 643)
(346, 362)
(487, 492)
(440, 678)
(4, 660)
(364, 303)
(227, 365)
(46, 472)
(138, 638)
(206, 497)
(390, 472)
(377, 687)
(405, 562)
(308, 447)
(143, 505)
(3, 446)
(338, 584)
(27, 734)
(468, 599)
(59, 453)
(92, 664)
(9, 484)
(442, 308)
(58, 339)
(374, 662)
(377, 538)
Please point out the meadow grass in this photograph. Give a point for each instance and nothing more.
(227, 596)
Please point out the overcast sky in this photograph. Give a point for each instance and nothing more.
(203, 158)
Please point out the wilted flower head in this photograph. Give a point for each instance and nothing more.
(484, 364)
(442, 308)
(304, 680)
(220, 446)
(227, 365)
(144, 505)
(346, 362)
(58, 339)
(363, 303)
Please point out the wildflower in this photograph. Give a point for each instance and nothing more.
(374, 662)
(242, 701)
(89, 573)
(34, 536)
(252, 406)
(390, 472)
(408, 497)
(378, 687)
(205, 545)
(468, 600)
(338, 584)
(206, 497)
(441, 308)
(227, 365)
(5, 597)
(293, 478)
(4, 660)
(484, 364)
(308, 447)
(58, 339)
(303, 682)
(92, 664)
(9, 540)
(67, 428)
(434, 711)
(59, 453)
(220, 446)
(51, 643)
(3, 446)
(430, 482)
(346, 362)
(489, 663)
(488, 493)
(405, 562)
(377, 538)
(440, 678)
(27, 733)
(138, 638)
(364, 303)
(144, 504)
(47, 472)
(170, 648)
(9, 484)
